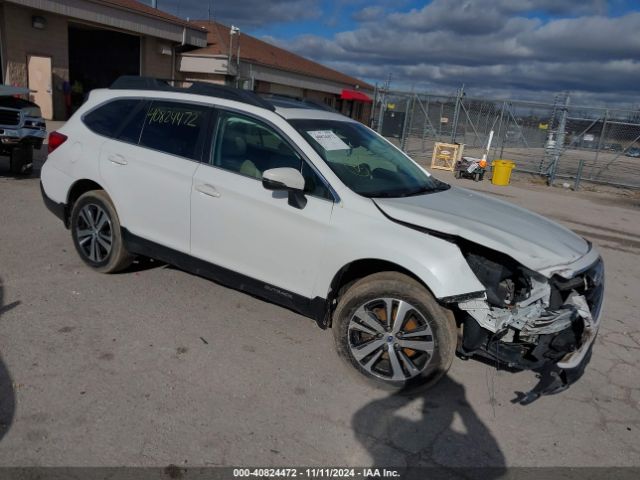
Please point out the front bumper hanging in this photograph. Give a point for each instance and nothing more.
(555, 343)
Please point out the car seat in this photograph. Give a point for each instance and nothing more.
(233, 156)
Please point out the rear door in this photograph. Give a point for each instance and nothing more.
(148, 169)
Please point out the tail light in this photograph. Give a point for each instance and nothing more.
(55, 140)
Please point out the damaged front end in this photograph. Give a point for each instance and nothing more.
(529, 321)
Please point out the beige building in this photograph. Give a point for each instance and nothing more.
(64, 48)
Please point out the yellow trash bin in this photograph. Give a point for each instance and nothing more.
(502, 171)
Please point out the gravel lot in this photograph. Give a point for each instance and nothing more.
(606, 166)
(156, 366)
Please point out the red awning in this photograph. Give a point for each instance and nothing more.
(355, 95)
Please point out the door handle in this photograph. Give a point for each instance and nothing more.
(117, 159)
(207, 189)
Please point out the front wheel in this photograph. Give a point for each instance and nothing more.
(392, 331)
(96, 233)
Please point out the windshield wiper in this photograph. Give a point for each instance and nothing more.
(439, 187)
(422, 190)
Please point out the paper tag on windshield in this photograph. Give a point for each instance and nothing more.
(328, 140)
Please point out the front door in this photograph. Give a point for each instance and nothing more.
(237, 224)
(40, 80)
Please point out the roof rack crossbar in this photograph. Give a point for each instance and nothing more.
(130, 82)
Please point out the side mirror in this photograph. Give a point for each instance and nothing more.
(286, 179)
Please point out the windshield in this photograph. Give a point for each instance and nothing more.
(365, 162)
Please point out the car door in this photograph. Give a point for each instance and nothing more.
(148, 169)
(237, 224)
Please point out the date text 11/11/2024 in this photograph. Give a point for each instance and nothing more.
(315, 473)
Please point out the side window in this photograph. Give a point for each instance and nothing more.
(248, 147)
(313, 184)
(108, 119)
(175, 128)
(132, 127)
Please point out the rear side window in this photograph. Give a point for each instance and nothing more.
(109, 119)
(175, 128)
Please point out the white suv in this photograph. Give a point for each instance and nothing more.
(316, 212)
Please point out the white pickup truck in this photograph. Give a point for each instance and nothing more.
(22, 129)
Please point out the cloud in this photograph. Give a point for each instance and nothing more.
(505, 47)
(369, 14)
(500, 46)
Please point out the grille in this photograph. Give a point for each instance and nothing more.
(9, 117)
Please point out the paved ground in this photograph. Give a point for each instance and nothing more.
(156, 366)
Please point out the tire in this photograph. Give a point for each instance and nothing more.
(21, 160)
(477, 177)
(371, 355)
(95, 227)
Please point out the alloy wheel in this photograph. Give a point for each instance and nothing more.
(94, 233)
(390, 339)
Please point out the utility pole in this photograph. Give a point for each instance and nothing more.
(233, 31)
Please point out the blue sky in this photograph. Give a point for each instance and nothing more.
(527, 49)
(339, 16)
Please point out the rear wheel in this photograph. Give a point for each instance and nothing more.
(96, 233)
(21, 160)
(391, 330)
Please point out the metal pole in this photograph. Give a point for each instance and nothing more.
(499, 128)
(456, 114)
(405, 133)
(373, 106)
(600, 141)
(230, 50)
(383, 103)
(381, 112)
(426, 122)
(505, 134)
(238, 62)
(559, 141)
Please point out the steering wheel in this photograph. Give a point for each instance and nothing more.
(362, 170)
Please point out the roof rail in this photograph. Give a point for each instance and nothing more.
(286, 101)
(130, 82)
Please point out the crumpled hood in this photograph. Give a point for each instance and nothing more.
(534, 241)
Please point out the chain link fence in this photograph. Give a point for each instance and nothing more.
(555, 140)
